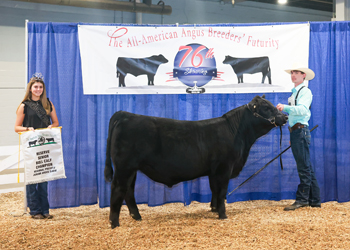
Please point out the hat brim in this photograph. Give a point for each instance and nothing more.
(309, 73)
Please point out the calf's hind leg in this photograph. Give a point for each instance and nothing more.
(117, 198)
(119, 189)
(130, 199)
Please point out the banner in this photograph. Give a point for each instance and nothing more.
(177, 60)
(43, 158)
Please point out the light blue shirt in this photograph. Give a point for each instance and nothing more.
(301, 112)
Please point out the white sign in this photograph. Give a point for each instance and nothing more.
(177, 60)
(43, 158)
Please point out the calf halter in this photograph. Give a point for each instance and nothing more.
(272, 120)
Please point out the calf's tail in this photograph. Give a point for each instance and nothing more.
(108, 165)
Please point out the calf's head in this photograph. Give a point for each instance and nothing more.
(264, 109)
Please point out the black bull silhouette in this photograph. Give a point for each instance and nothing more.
(249, 66)
(139, 66)
(171, 151)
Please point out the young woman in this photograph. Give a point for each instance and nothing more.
(34, 112)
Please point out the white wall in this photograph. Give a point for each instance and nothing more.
(342, 10)
(12, 35)
(11, 173)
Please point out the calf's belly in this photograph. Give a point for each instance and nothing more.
(171, 175)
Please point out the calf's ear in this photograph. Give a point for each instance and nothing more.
(263, 96)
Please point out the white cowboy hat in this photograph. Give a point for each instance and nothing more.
(309, 73)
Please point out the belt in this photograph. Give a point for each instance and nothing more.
(296, 126)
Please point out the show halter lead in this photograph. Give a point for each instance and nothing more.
(261, 169)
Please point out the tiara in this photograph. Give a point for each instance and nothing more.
(38, 76)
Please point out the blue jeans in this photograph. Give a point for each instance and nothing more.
(308, 190)
(37, 198)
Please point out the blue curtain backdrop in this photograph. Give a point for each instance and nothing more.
(53, 50)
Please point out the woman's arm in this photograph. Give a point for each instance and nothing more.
(19, 120)
(54, 118)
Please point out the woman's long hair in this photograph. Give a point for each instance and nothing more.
(43, 98)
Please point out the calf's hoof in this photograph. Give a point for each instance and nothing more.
(136, 216)
(214, 209)
(222, 217)
(114, 224)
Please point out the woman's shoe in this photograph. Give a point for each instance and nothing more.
(38, 217)
(48, 216)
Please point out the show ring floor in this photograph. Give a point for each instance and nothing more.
(250, 225)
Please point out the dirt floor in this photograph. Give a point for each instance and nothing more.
(251, 225)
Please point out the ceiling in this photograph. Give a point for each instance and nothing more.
(324, 5)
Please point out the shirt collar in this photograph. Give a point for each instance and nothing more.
(295, 89)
